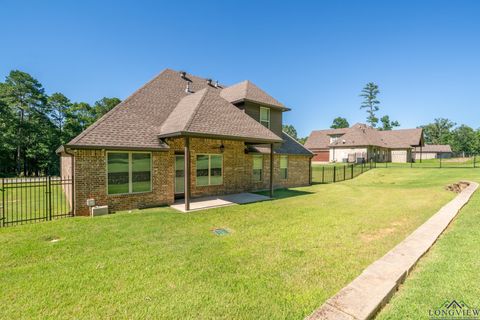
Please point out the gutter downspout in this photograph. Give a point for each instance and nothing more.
(73, 178)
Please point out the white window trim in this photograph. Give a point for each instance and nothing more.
(269, 118)
(130, 187)
(209, 167)
(263, 165)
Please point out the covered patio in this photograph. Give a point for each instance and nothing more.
(211, 202)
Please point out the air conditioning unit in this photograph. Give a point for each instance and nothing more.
(98, 211)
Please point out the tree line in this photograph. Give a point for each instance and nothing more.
(34, 124)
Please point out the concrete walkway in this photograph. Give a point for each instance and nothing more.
(219, 201)
(369, 292)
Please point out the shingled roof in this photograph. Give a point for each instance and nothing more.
(205, 113)
(445, 148)
(363, 135)
(163, 107)
(289, 146)
(247, 91)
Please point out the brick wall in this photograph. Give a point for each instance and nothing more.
(91, 176)
(91, 182)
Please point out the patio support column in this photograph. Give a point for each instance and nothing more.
(271, 170)
(187, 173)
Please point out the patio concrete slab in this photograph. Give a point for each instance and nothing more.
(371, 290)
(204, 203)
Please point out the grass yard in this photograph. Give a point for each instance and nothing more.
(282, 259)
(448, 271)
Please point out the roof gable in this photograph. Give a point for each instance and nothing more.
(362, 135)
(138, 120)
(246, 90)
(206, 113)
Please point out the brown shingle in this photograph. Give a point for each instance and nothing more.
(137, 121)
(246, 90)
(363, 135)
(206, 113)
(434, 148)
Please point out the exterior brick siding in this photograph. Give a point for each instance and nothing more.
(91, 175)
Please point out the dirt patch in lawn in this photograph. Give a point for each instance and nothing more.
(457, 187)
(380, 234)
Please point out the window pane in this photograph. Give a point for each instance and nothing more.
(216, 164)
(117, 173)
(283, 162)
(257, 175)
(179, 174)
(202, 170)
(257, 162)
(141, 172)
(264, 114)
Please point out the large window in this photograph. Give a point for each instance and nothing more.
(129, 172)
(283, 167)
(209, 169)
(257, 168)
(265, 116)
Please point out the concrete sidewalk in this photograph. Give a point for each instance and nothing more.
(219, 201)
(369, 292)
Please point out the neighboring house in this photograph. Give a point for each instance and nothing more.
(432, 151)
(183, 136)
(363, 143)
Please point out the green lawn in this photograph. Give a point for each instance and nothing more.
(448, 271)
(282, 259)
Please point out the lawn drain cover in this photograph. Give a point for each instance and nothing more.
(221, 232)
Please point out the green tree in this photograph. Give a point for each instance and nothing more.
(464, 139)
(26, 98)
(438, 132)
(104, 105)
(339, 123)
(370, 102)
(388, 124)
(59, 107)
(290, 130)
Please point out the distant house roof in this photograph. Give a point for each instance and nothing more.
(247, 91)
(163, 107)
(363, 135)
(434, 148)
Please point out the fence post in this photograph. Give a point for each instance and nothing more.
(344, 171)
(351, 177)
(323, 174)
(334, 173)
(2, 222)
(440, 161)
(361, 166)
(49, 192)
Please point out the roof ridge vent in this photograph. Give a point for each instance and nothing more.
(209, 81)
(216, 84)
(183, 74)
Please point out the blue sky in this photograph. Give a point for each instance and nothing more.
(314, 56)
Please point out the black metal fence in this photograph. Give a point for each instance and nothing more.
(26, 200)
(456, 162)
(339, 172)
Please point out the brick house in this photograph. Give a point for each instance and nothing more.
(182, 136)
(362, 142)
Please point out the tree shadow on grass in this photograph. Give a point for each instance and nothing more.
(284, 193)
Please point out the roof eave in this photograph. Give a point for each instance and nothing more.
(217, 136)
(100, 147)
(281, 107)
